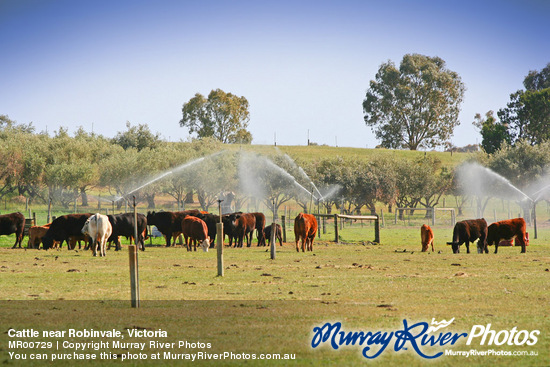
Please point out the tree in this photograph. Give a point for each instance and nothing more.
(138, 137)
(528, 113)
(222, 115)
(415, 106)
(493, 132)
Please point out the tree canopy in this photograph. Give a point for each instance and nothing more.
(222, 115)
(527, 115)
(416, 105)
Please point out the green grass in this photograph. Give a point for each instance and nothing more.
(265, 306)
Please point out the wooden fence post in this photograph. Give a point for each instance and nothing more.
(283, 225)
(377, 229)
(336, 236)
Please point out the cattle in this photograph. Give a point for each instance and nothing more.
(278, 234)
(99, 229)
(74, 239)
(467, 231)
(211, 221)
(427, 237)
(194, 229)
(229, 228)
(305, 228)
(13, 223)
(245, 225)
(35, 235)
(64, 227)
(507, 230)
(123, 225)
(169, 223)
(260, 225)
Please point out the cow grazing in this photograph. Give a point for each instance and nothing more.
(468, 231)
(99, 229)
(13, 223)
(229, 228)
(427, 237)
(169, 223)
(278, 234)
(123, 225)
(245, 225)
(260, 225)
(211, 221)
(35, 235)
(63, 227)
(194, 229)
(507, 230)
(305, 228)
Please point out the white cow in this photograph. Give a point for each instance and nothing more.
(99, 229)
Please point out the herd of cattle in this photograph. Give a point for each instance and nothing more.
(498, 234)
(97, 230)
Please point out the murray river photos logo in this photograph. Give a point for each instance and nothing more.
(420, 338)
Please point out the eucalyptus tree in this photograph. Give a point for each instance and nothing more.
(223, 116)
(416, 105)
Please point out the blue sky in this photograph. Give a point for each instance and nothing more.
(302, 65)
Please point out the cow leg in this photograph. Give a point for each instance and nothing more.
(297, 240)
(432, 246)
(496, 246)
(467, 247)
(168, 239)
(523, 248)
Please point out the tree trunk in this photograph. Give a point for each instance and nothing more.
(84, 196)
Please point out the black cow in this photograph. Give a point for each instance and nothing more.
(229, 228)
(63, 227)
(13, 223)
(211, 221)
(169, 223)
(278, 234)
(468, 231)
(123, 225)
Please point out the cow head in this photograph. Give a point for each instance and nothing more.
(205, 245)
(47, 242)
(85, 229)
(456, 247)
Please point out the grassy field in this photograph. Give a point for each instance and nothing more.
(271, 306)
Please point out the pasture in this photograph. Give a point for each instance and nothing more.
(271, 306)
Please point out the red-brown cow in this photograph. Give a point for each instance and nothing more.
(195, 229)
(427, 236)
(507, 230)
(244, 228)
(35, 235)
(305, 228)
(260, 225)
(13, 223)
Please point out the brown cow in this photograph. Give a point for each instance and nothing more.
(13, 223)
(506, 230)
(260, 225)
(64, 227)
(244, 228)
(35, 235)
(467, 231)
(427, 236)
(194, 229)
(305, 227)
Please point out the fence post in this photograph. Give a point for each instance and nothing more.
(336, 236)
(377, 229)
(433, 216)
(395, 220)
(272, 239)
(283, 224)
(219, 240)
